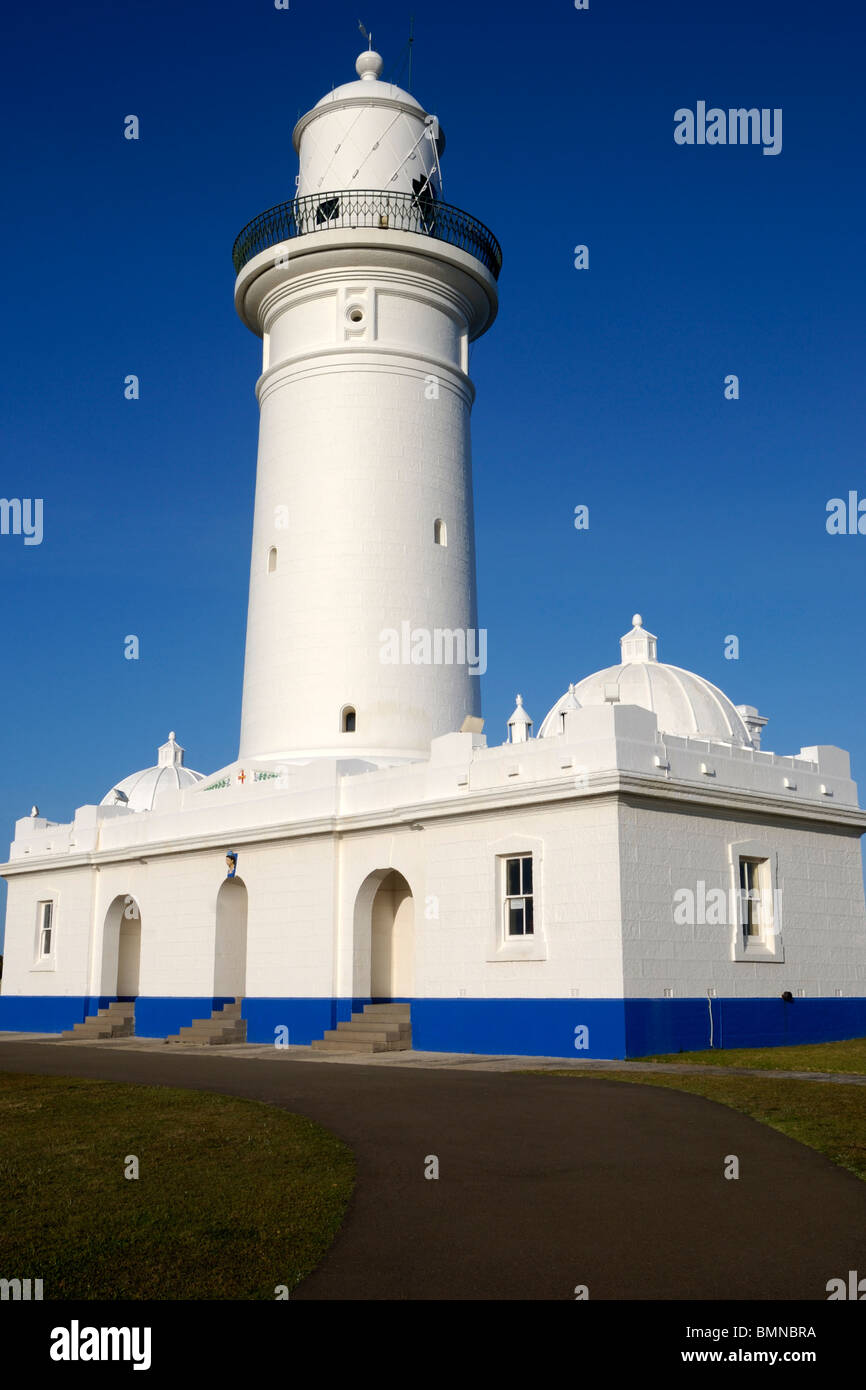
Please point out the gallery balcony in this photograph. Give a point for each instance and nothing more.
(388, 211)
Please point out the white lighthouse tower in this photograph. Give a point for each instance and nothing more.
(366, 291)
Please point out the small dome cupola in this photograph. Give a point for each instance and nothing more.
(638, 645)
(684, 704)
(170, 754)
(368, 136)
(141, 791)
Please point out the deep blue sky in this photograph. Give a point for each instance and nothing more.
(602, 387)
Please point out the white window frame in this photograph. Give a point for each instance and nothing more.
(45, 960)
(522, 897)
(516, 948)
(765, 945)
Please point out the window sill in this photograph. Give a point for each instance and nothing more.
(43, 965)
(524, 948)
(763, 955)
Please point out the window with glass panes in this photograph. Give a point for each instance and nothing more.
(518, 896)
(750, 897)
(46, 928)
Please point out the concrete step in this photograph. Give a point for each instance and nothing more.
(357, 1040)
(380, 1028)
(219, 1035)
(103, 1025)
(215, 1040)
(121, 1025)
(117, 1020)
(213, 1032)
(362, 1023)
(352, 1035)
(359, 1045)
(224, 1021)
(220, 1032)
(225, 1025)
(212, 1040)
(395, 1011)
(376, 1021)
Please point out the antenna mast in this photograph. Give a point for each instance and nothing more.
(411, 42)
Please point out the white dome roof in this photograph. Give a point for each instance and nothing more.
(369, 87)
(140, 791)
(684, 704)
(366, 91)
(366, 130)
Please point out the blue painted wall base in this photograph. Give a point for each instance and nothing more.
(619, 1028)
(45, 1013)
(305, 1019)
(615, 1028)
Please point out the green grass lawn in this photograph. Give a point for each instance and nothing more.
(849, 1056)
(825, 1115)
(234, 1196)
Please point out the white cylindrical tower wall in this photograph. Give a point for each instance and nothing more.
(362, 586)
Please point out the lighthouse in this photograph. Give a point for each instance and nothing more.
(366, 290)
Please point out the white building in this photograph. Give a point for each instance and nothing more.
(641, 876)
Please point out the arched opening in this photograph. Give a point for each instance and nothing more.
(121, 949)
(347, 720)
(392, 945)
(384, 937)
(230, 940)
(272, 559)
(440, 532)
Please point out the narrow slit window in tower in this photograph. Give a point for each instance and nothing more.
(440, 532)
(347, 720)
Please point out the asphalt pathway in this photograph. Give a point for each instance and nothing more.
(545, 1183)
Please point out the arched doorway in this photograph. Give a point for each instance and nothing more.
(230, 940)
(121, 948)
(392, 939)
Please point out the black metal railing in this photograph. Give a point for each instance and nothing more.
(400, 212)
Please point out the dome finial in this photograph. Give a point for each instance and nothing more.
(369, 65)
(637, 620)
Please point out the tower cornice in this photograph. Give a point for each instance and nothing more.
(373, 250)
